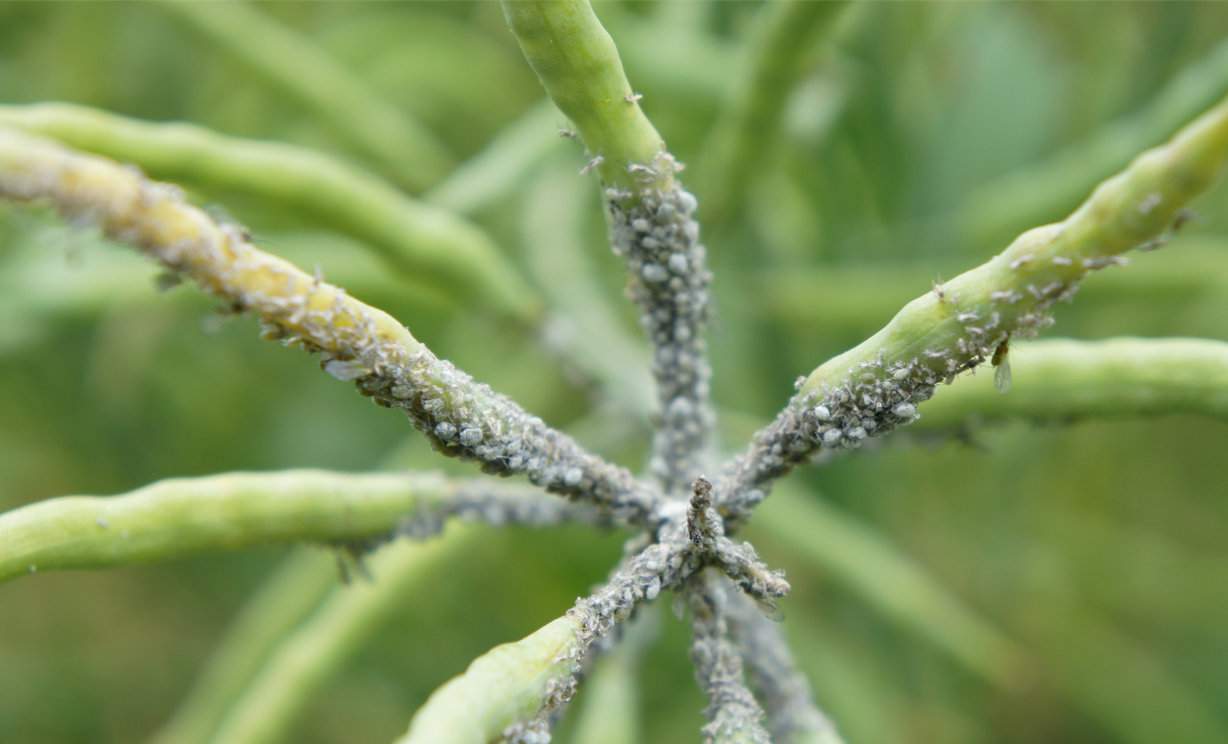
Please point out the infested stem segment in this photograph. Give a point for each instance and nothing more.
(779, 686)
(877, 386)
(421, 242)
(358, 343)
(734, 716)
(652, 220)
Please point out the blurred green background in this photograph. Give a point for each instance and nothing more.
(1097, 546)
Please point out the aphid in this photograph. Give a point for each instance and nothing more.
(938, 291)
(588, 168)
(1002, 366)
(567, 133)
(345, 370)
(1183, 217)
(633, 97)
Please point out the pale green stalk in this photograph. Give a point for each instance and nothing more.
(317, 649)
(892, 583)
(876, 386)
(651, 219)
(852, 298)
(578, 64)
(784, 35)
(420, 241)
(284, 600)
(501, 688)
(360, 343)
(403, 148)
(1042, 191)
(1062, 380)
(1046, 263)
(184, 516)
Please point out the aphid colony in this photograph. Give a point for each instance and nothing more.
(656, 232)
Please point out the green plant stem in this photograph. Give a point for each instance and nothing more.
(360, 343)
(1126, 211)
(1044, 190)
(284, 600)
(502, 687)
(403, 148)
(578, 64)
(852, 298)
(876, 386)
(785, 33)
(312, 654)
(420, 241)
(183, 516)
(1061, 380)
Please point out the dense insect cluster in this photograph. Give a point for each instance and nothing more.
(658, 235)
(683, 527)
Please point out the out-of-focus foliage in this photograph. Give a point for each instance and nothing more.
(1096, 548)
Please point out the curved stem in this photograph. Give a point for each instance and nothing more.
(500, 688)
(781, 688)
(651, 218)
(182, 516)
(1042, 191)
(404, 149)
(414, 238)
(360, 343)
(578, 64)
(851, 297)
(734, 716)
(876, 386)
(1061, 380)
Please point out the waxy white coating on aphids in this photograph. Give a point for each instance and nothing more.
(656, 232)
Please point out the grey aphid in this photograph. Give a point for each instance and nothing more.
(905, 410)
(445, 431)
(831, 436)
(590, 165)
(471, 436)
(678, 263)
(687, 201)
(654, 273)
(573, 476)
(822, 413)
(345, 370)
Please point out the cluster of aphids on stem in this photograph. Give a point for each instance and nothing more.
(657, 234)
